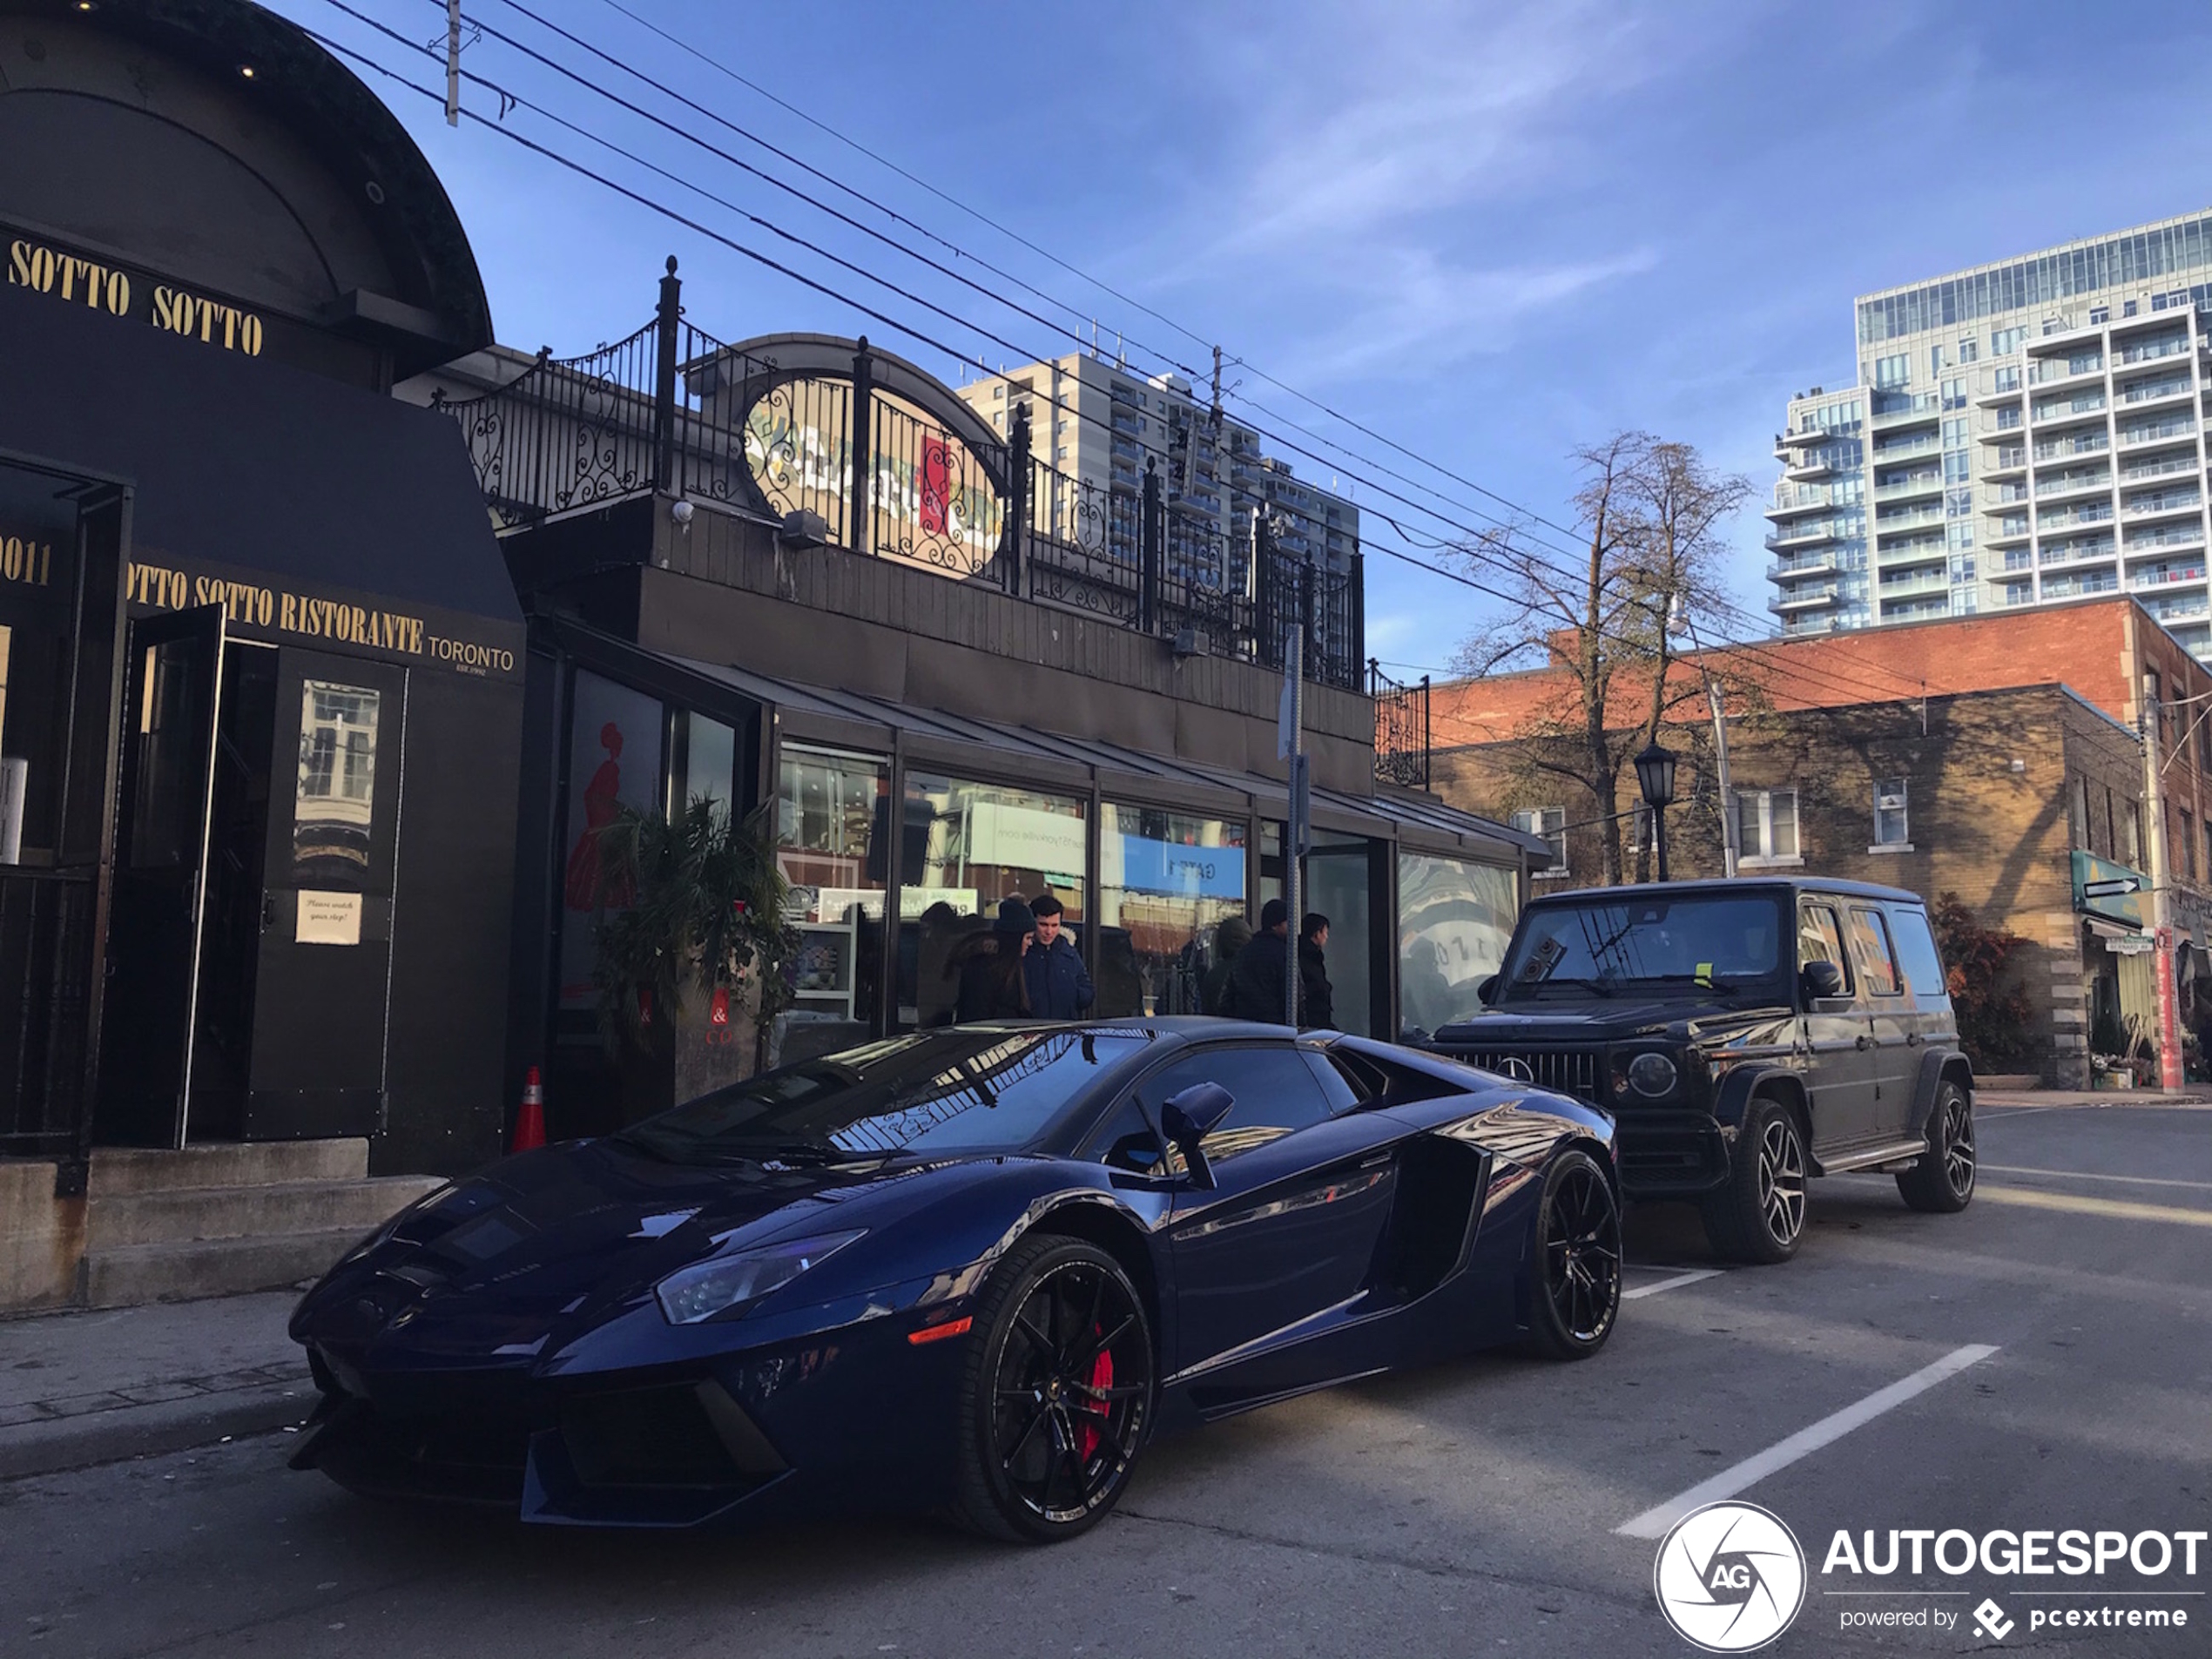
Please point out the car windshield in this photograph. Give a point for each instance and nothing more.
(1693, 942)
(942, 1092)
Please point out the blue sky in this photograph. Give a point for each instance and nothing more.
(1489, 232)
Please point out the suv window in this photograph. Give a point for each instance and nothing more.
(1277, 1094)
(1820, 939)
(1870, 938)
(1916, 949)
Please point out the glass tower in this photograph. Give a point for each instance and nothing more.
(2023, 433)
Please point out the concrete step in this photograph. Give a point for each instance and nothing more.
(177, 1272)
(115, 1221)
(125, 1170)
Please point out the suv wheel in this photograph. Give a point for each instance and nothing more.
(1942, 1183)
(1759, 1215)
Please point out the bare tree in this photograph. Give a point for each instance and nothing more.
(1649, 518)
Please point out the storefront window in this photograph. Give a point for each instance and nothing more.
(614, 761)
(1165, 881)
(1455, 918)
(1337, 885)
(709, 761)
(833, 825)
(970, 844)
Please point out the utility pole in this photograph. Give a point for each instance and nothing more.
(1679, 622)
(1291, 745)
(2162, 899)
(1217, 388)
(453, 63)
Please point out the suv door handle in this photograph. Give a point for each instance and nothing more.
(1865, 1041)
(1913, 1039)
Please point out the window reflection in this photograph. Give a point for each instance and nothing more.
(1166, 882)
(1455, 918)
(832, 832)
(335, 799)
(967, 845)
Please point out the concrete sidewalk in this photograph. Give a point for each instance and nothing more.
(2196, 1095)
(79, 1388)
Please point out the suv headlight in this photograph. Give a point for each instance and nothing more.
(722, 1283)
(1653, 1074)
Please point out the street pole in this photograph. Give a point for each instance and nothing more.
(2162, 905)
(1720, 776)
(1294, 819)
(1659, 838)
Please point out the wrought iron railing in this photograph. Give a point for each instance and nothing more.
(1401, 728)
(672, 410)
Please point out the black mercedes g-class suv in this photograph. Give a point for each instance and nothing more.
(1745, 1035)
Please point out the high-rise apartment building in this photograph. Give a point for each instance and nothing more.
(1096, 425)
(2021, 433)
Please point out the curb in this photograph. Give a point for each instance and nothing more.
(61, 1444)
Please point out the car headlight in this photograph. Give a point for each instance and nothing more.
(721, 1283)
(1653, 1074)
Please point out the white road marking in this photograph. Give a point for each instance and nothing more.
(1689, 1277)
(1654, 1522)
(2084, 1175)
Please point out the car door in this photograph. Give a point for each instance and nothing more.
(1292, 1227)
(1889, 1019)
(1838, 1033)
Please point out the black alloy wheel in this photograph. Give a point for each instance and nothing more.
(1759, 1215)
(1575, 1281)
(1057, 1394)
(1942, 1180)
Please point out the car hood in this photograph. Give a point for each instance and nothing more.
(553, 1242)
(1589, 1024)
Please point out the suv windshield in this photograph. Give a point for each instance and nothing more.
(943, 1092)
(1689, 942)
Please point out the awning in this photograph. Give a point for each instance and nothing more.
(818, 714)
(251, 466)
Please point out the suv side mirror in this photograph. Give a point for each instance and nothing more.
(1486, 989)
(1821, 980)
(1188, 1117)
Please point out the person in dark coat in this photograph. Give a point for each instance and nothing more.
(988, 966)
(1316, 1001)
(1058, 983)
(1255, 981)
(1231, 935)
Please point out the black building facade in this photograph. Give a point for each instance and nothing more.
(261, 663)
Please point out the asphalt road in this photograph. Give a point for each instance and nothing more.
(1470, 1509)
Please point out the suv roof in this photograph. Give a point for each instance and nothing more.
(1741, 883)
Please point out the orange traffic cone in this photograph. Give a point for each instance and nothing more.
(529, 1122)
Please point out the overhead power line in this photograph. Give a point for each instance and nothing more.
(882, 317)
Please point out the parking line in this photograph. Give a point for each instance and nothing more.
(1654, 1522)
(2085, 1175)
(1689, 1277)
(2118, 1209)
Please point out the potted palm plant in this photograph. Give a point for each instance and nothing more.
(699, 964)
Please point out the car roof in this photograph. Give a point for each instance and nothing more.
(1742, 884)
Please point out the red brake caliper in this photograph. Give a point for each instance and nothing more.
(1087, 1434)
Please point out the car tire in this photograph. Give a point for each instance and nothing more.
(1573, 1285)
(1057, 1394)
(1942, 1181)
(1759, 1215)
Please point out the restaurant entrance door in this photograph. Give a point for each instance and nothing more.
(250, 947)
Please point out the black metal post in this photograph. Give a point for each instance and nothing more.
(1425, 733)
(1149, 535)
(859, 515)
(1358, 606)
(1020, 482)
(671, 308)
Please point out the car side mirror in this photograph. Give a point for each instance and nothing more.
(1485, 988)
(1822, 981)
(1188, 1117)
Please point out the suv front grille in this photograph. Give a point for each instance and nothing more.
(1566, 1072)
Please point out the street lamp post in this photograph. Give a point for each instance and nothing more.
(1656, 776)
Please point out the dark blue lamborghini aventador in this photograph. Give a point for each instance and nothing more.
(971, 1270)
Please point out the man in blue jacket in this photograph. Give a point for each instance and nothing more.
(1059, 987)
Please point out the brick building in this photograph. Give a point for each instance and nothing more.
(1992, 757)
